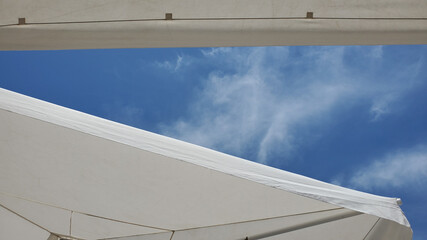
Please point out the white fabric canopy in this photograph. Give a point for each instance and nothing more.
(81, 24)
(68, 174)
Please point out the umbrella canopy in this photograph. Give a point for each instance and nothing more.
(81, 24)
(67, 174)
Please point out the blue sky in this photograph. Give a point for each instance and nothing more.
(354, 116)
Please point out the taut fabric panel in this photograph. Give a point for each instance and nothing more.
(14, 227)
(50, 24)
(156, 236)
(51, 11)
(50, 218)
(88, 227)
(385, 230)
(294, 226)
(108, 179)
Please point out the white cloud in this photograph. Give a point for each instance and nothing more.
(400, 168)
(172, 65)
(215, 51)
(381, 106)
(260, 105)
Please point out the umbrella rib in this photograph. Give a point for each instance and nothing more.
(260, 219)
(71, 220)
(137, 235)
(372, 228)
(83, 213)
(26, 219)
(305, 225)
(172, 235)
(35, 224)
(281, 231)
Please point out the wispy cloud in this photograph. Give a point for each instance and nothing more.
(172, 65)
(260, 104)
(381, 106)
(215, 51)
(400, 168)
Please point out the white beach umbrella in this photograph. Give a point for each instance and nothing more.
(66, 174)
(82, 24)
